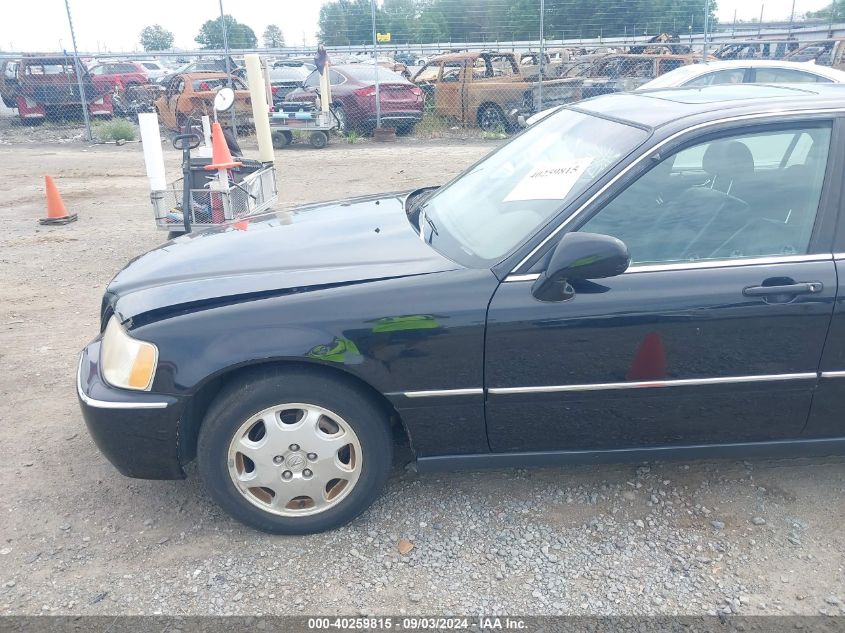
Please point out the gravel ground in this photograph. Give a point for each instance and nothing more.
(760, 537)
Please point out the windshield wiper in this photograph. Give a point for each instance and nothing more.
(424, 216)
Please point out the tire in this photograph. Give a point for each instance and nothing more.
(282, 139)
(318, 140)
(342, 119)
(172, 235)
(295, 399)
(491, 118)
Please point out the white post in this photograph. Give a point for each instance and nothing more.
(260, 111)
(153, 156)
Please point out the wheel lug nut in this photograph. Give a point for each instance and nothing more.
(278, 459)
(312, 456)
(294, 447)
(287, 474)
(307, 473)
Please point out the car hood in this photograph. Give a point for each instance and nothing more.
(309, 247)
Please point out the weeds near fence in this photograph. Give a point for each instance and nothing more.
(115, 130)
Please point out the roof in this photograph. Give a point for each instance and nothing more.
(657, 108)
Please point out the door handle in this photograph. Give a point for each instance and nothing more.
(805, 288)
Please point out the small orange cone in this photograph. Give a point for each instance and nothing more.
(221, 157)
(56, 210)
(650, 360)
(240, 225)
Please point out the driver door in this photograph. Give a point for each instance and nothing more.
(713, 335)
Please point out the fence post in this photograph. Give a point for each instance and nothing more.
(232, 114)
(375, 65)
(542, 57)
(78, 71)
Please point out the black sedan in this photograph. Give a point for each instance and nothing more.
(635, 277)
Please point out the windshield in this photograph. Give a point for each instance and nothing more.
(484, 214)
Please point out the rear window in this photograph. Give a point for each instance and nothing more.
(149, 66)
(368, 73)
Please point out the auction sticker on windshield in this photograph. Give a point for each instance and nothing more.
(549, 181)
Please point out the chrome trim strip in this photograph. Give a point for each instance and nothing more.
(839, 256)
(104, 404)
(651, 152)
(833, 374)
(444, 392)
(687, 382)
(730, 263)
(701, 265)
(528, 277)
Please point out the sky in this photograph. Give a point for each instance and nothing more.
(114, 25)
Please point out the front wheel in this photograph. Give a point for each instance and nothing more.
(492, 119)
(294, 452)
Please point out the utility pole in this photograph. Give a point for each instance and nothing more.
(760, 23)
(733, 30)
(78, 68)
(706, 21)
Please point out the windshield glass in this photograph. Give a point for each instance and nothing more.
(489, 210)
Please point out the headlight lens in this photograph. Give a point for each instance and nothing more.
(127, 362)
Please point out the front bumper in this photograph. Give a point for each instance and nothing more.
(138, 432)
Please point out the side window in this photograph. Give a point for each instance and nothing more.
(98, 70)
(313, 80)
(749, 195)
(786, 76)
(728, 76)
(335, 78)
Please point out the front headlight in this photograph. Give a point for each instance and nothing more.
(127, 362)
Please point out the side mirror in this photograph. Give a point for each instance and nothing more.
(578, 257)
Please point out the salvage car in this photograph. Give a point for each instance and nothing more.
(745, 71)
(488, 89)
(189, 97)
(353, 88)
(47, 87)
(638, 276)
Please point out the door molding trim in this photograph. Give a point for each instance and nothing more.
(685, 382)
(821, 447)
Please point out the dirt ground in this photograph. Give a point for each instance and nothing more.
(77, 537)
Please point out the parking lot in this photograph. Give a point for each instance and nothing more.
(698, 537)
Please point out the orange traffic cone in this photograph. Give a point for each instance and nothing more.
(221, 157)
(240, 225)
(56, 211)
(650, 360)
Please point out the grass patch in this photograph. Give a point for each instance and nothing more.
(353, 137)
(115, 130)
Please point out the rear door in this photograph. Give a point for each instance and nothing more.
(715, 333)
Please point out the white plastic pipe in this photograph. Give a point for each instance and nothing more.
(153, 156)
(260, 111)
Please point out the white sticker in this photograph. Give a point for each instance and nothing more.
(549, 181)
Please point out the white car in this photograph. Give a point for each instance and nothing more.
(740, 71)
(155, 69)
(745, 71)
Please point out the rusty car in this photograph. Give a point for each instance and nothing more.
(191, 95)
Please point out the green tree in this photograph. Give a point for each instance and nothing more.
(833, 12)
(156, 38)
(239, 35)
(347, 22)
(273, 37)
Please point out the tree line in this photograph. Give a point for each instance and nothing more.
(349, 22)
(157, 38)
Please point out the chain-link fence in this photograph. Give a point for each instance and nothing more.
(439, 67)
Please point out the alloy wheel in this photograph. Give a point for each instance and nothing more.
(294, 459)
